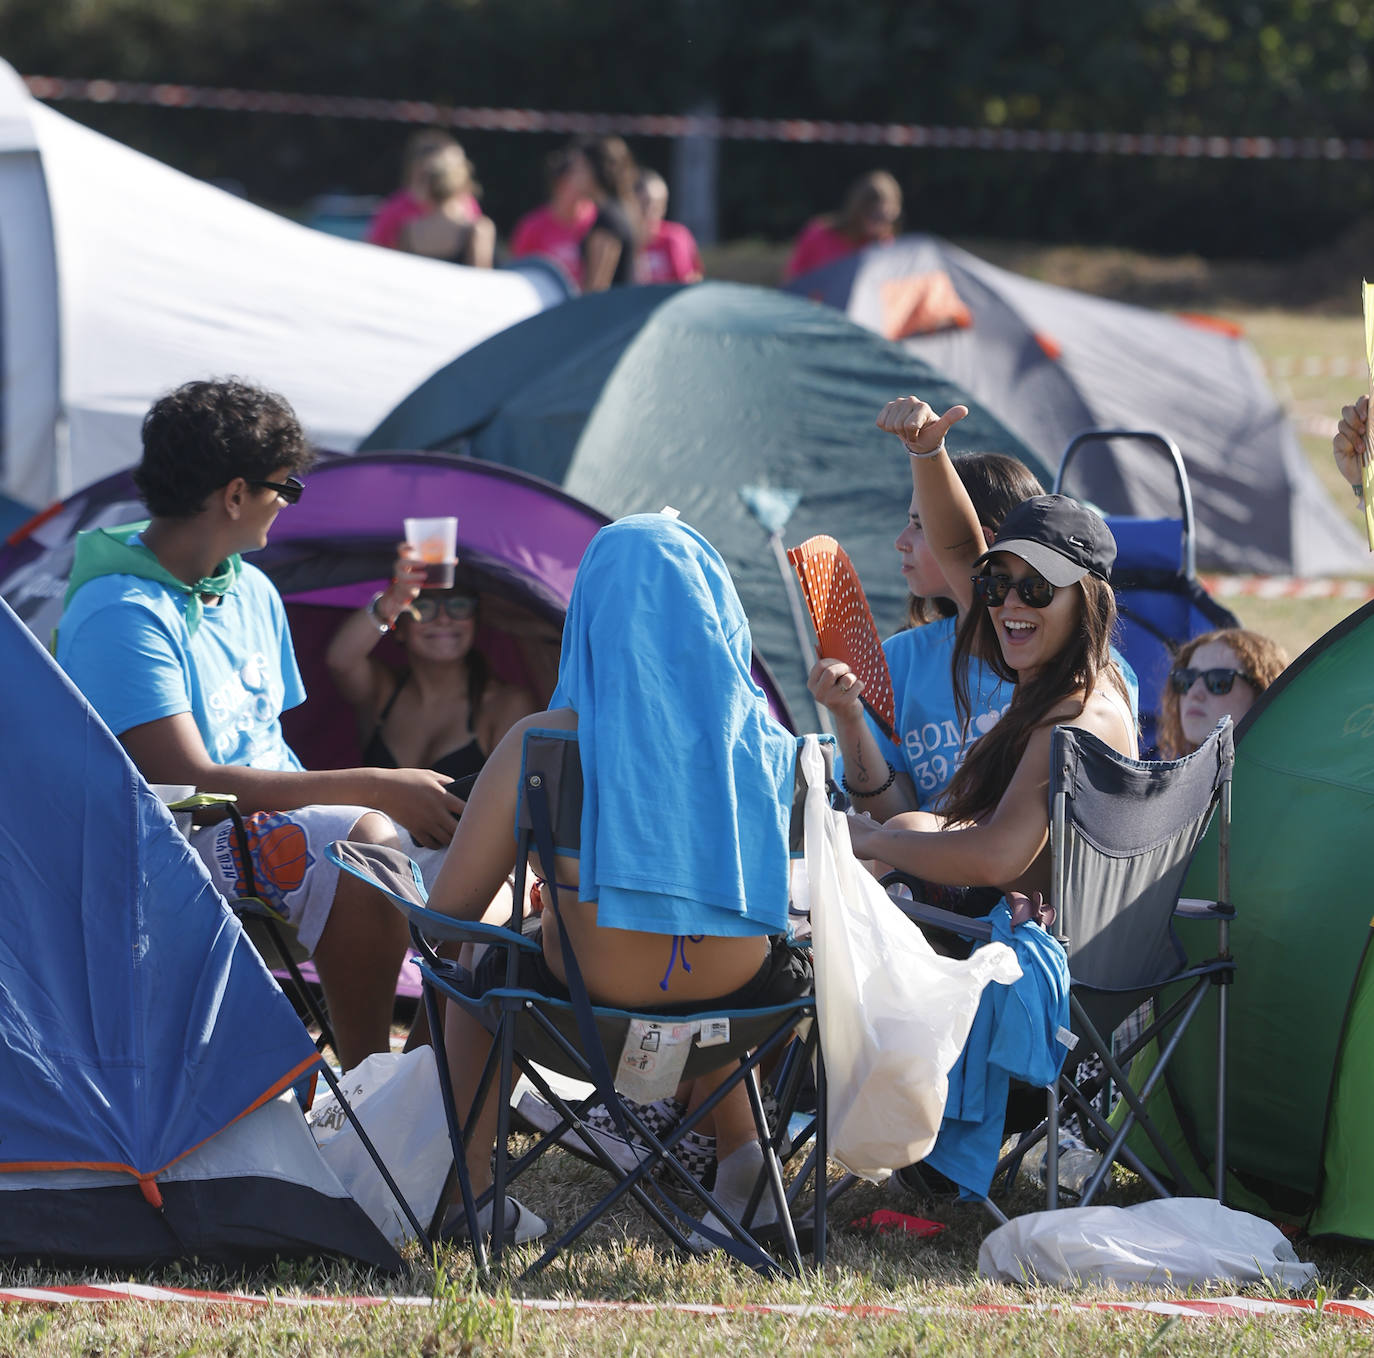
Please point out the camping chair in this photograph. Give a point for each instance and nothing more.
(261, 922)
(582, 1040)
(252, 909)
(1122, 834)
(1160, 601)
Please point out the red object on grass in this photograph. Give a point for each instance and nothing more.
(844, 624)
(884, 1222)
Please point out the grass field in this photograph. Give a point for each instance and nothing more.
(935, 1279)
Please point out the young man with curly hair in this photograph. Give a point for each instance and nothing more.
(183, 649)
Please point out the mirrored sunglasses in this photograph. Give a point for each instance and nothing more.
(1034, 590)
(290, 490)
(1218, 681)
(458, 607)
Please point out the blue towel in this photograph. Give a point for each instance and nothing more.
(1015, 1033)
(687, 776)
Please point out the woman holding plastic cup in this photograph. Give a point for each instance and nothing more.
(445, 710)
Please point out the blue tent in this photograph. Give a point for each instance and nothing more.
(136, 1021)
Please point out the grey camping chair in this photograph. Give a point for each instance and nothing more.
(578, 1038)
(1122, 834)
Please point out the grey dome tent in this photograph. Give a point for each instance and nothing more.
(1051, 362)
(641, 397)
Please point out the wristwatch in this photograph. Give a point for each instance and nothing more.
(378, 621)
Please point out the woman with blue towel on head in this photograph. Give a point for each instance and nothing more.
(680, 893)
(1042, 617)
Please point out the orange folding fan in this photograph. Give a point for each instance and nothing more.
(844, 623)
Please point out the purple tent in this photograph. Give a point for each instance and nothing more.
(519, 541)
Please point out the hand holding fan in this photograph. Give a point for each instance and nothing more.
(844, 623)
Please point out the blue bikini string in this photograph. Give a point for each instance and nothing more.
(680, 942)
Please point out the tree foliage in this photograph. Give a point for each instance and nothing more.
(1232, 67)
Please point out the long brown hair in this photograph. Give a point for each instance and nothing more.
(1262, 659)
(996, 483)
(987, 770)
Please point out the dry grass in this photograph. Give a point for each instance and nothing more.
(920, 1294)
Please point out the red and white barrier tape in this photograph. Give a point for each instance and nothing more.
(1212, 1308)
(1318, 365)
(1284, 587)
(683, 125)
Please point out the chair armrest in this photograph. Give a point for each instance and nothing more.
(200, 799)
(1190, 907)
(918, 912)
(398, 879)
(445, 929)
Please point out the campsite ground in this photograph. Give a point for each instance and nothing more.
(907, 1294)
(881, 1294)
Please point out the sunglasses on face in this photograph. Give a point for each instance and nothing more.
(1218, 681)
(290, 490)
(1034, 590)
(459, 607)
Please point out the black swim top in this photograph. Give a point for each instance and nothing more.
(459, 763)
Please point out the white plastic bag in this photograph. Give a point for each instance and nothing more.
(396, 1097)
(1179, 1242)
(893, 1014)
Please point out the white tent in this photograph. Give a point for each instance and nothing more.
(121, 278)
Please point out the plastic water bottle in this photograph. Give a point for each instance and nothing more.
(1077, 1164)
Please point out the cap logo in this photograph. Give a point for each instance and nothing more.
(1078, 542)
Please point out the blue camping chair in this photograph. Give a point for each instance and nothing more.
(1160, 601)
(580, 1039)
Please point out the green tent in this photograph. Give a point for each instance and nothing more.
(1301, 1101)
(686, 396)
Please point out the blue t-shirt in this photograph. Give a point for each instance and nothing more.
(932, 742)
(125, 644)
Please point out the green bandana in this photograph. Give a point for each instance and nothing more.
(108, 551)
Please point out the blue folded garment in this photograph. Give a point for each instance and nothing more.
(1015, 1033)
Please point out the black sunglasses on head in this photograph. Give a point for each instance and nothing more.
(457, 606)
(1219, 681)
(290, 490)
(1034, 590)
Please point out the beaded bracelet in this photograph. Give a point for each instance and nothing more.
(873, 791)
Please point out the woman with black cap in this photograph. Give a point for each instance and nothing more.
(1042, 618)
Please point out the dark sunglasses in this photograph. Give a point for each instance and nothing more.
(1218, 681)
(458, 606)
(1034, 590)
(290, 490)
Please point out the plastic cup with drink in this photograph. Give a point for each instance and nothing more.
(436, 543)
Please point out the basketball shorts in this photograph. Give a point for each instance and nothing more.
(289, 868)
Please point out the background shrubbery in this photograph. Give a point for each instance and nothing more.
(1233, 67)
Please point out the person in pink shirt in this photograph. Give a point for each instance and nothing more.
(872, 210)
(556, 229)
(669, 253)
(411, 200)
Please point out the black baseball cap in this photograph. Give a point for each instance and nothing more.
(1059, 537)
